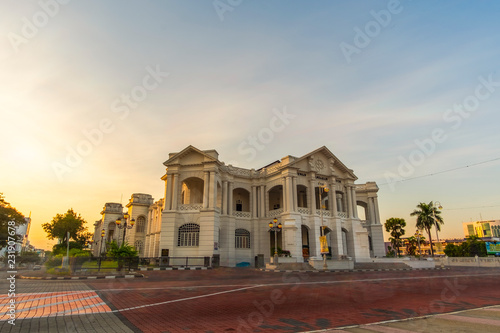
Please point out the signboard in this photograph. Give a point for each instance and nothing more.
(324, 245)
(439, 250)
(492, 248)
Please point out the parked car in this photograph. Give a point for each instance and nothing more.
(37, 267)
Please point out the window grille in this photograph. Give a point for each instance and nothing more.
(242, 240)
(189, 235)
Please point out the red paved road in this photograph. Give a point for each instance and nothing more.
(244, 300)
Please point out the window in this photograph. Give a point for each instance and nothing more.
(242, 240)
(239, 206)
(189, 235)
(138, 246)
(140, 224)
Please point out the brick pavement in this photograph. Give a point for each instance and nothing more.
(246, 300)
(57, 306)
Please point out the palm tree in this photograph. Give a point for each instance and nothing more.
(427, 217)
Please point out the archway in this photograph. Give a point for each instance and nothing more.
(192, 191)
(276, 197)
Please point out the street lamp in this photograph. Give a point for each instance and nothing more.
(322, 188)
(103, 233)
(276, 227)
(418, 235)
(436, 204)
(125, 226)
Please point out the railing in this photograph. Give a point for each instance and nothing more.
(303, 210)
(324, 212)
(184, 261)
(92, 264)
(190, 207)
(242, 214)
(342, 215)
(275, 212)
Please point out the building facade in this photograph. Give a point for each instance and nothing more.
(483, 229)
(210, 208)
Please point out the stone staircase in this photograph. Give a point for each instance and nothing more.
(378, 265)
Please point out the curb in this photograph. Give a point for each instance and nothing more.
(126, 276)
(175, 268)
(352, 270)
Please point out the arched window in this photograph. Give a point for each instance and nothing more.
(189, 235)
(139, 246)
(140, 224)
(242, 240)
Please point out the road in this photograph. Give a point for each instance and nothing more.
(247, 300)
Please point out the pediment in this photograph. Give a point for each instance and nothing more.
(323, 162)
(191, 156)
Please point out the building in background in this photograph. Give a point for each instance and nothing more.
(210, 208)
(486, 230)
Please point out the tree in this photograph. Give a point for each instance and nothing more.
(395, 226)
(474, 246)
(428, 216)
(411, 245)
(62, 224)
(9, 217)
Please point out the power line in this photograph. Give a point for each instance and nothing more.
(444, 171)
(472, 207)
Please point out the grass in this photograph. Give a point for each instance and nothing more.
(106, 264)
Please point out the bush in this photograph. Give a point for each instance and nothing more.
(54, 261)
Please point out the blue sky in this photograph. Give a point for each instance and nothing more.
(221, 82)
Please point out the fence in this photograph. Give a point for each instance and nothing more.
(87, 264)
(469, 261)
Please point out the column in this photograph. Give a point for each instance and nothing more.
(230, 203)
(371, 211)
(332, 199)
(339, 203)
(206, 182)
(253, 201)
(212, 196)
(312, 195)
(175, 190)
(349, 201)
(354, 202)
(263, 210)
(285, 194)
(377, 214)
(294, 193)
(266, 201)
(224, 197)
(289, 194)
(168, 193)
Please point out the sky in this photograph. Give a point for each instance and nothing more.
(96, 94)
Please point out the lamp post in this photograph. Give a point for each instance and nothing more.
(434, 203)
(276, 227)
(125, 225)
(103, 233)
(322, 188)
(418, 235)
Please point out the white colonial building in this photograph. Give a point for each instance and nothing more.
(210, 208)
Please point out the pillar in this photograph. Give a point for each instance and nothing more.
(212, 196)
(349, 201)
(230, 203)
(224, 197)
(354, 202)
(175, 189)
(253, 201)
(168, 193)
(312, 194)
(206, 182)
(263, 210)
